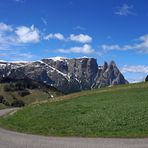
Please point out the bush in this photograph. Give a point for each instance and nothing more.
(24, 93)
(1, 99)
(10, 87)
(6, 103)
(21, 85)
(7, 88)
(17, 103)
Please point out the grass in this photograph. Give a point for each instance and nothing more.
(120, 111)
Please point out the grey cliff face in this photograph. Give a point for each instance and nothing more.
(67, 75)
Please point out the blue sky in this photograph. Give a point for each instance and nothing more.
(104, 29)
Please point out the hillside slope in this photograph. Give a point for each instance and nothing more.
(26, 92)
(120, 111)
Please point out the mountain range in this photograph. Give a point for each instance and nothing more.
(65, 74)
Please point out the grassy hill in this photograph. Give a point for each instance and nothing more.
(120, 111)
(11, 93)
(2, 106)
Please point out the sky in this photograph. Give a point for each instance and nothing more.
(103, 29)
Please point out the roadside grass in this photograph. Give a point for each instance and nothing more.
(119, 111)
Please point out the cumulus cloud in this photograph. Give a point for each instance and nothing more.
(27, 34)
(7, 37)
(85, 49)
(135, 69)
(82, 38)
(125, 10)
(5, 27)
(16, 37)
(14, 40)
(141, 46)
(58, 36)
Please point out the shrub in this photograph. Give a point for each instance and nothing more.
(20, 85)
(6, 103)
(14, 87)
(17, 103)
(24, 93)
(7, 88)
(1, 99)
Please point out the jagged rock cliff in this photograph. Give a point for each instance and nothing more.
(67, 75)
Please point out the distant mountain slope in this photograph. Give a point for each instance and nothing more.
(67, 75)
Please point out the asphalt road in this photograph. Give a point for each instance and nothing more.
(9, 139)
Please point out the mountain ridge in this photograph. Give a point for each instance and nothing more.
(66, 74)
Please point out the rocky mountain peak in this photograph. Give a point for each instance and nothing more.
(105, 66)
(65, 74)
(112, 63)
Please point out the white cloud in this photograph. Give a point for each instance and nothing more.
(82, 38)
(141, 46)
(17, 56)
(23, 56)
(110, 47)
(44, 21)
(5, 27)
(11, 38)
(79, 28)
(14, 40)
(20, 1)
(85, 49)
(125, 10)
(135, 73)
(7, 38)
(27, 34)
(7, 42)
(58, 36)
(135, 69)
(136, 79)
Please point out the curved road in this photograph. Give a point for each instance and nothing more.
(10, 139)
